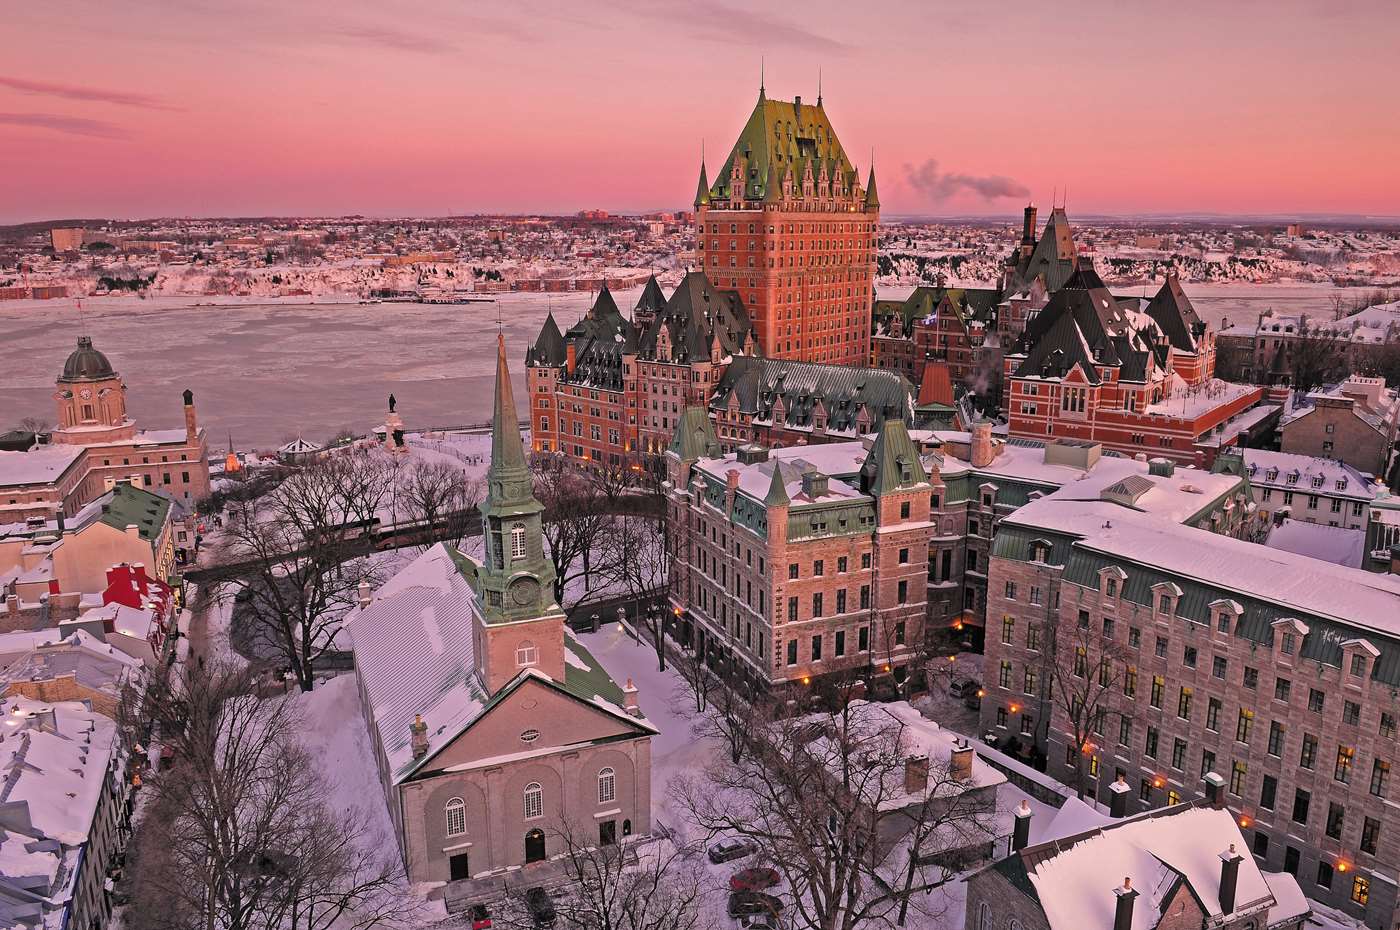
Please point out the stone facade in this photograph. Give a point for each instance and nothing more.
(1343, 428)
(1291, 703)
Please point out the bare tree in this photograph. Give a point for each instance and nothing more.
(299, 542)
(1319, 357)
(696, 676)
(642, 886)
(614, 480)
(1086, 670)
(844, 804)
(35, 425)
(440, 499)
(250, 841)
(636, 552)
(575, 518)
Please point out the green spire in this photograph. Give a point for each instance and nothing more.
(507, 451)
(872, 199)
(777, 495)
(694, 438)
(702, 191)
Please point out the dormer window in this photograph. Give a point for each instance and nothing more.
(1271, 474)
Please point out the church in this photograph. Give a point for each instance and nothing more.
(500, 741)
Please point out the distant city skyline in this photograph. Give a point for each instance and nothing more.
(252, 108)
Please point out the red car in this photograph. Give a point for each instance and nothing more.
(755, 879)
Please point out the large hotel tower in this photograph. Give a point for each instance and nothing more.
(788, 226)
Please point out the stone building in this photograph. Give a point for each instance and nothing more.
(798, 562)
(788, 226)
(500, 741)
(1274, 670)
(1355, 422)
(1182, 867)
(96, 445)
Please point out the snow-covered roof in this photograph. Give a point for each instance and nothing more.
(415, 654)
(1336, 544)
(42, 465)
(1337, 479)
(299, 446)
(1074, 877)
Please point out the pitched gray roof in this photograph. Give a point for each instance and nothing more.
(854, 399)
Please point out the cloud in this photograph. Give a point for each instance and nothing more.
(938, 185)
(90, 94)
(394, 39)
(713, 21)
(73, 125)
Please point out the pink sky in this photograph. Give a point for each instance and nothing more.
(255, 107)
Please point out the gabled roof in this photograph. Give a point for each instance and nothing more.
(1054, 257)
(694, 438)
(652, 299)
(549, 345)
(1172, 311)
(893, 461)
(842, 392)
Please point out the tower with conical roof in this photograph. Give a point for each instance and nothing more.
(515, 579)
(788, 188)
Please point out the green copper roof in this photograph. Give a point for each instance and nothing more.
(132, 506)
(507, 451)
(893, 461)
(777, 495)
(872, 199)
(780, 136)
(695, 437)
(702, 192)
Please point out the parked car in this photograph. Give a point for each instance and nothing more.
(760, 921)
(962, 687)
(755, 879)
(541, 906)
(742, 903)
(732, 848)
(481, 918)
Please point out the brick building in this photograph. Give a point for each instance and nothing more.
(96, 445)
(1275, 671)
(1090, 366)
(1355, 422)
(788, 225)
(782, 571)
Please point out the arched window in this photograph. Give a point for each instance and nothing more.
(984, 917)
(456, 817)
(607, 786)
(526, 654)
(534, 801)
(1015, 924)
(517, 541)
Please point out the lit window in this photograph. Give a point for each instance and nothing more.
(456, 817)
(607, 786)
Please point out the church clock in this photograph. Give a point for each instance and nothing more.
(524, 591)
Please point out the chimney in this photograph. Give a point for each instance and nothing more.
(960, 762)
(1118, 803)
(418, 736)
(191, 424)
(916, 774)
(570, 358)
(1229, 878)
(12, 606)
(362, 594)
(1123, 914)
(982, 444)
(1028, 232)
(1021, 828)
(629, 699)
(814, 484)
(1215, 789)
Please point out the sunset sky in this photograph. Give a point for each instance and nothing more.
(280, 107)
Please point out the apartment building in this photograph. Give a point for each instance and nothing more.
(1268, 674)
(782, 572)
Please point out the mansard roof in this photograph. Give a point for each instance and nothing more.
(697, 314)
(970, 303)
(782, 136)
(758, 385)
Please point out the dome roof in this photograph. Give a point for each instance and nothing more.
(86, 363)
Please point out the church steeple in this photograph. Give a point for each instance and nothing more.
(516, 579)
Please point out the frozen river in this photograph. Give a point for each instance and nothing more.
(268, 372)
